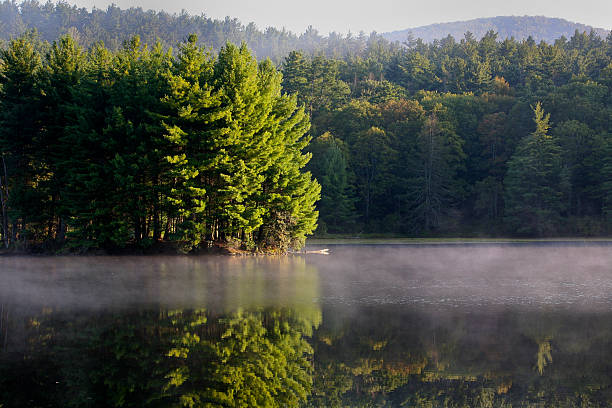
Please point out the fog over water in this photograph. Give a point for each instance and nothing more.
(579, 277)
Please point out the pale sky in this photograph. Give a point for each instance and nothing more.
(372, 15)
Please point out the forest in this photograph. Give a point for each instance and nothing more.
(112, 148)
(462, 138)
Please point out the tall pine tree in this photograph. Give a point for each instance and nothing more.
(533, 182)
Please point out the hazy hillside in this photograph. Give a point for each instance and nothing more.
(539, 27)
(114, 25)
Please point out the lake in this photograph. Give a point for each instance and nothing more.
(444, 325)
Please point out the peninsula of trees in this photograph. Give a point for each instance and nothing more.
(109, 150)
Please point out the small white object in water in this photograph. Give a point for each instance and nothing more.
(320, 252)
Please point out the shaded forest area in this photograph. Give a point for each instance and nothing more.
(462, 137)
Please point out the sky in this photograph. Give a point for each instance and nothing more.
(381, 16)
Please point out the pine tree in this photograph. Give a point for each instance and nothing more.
(135, 138)
(581, 151)
(438, 156)
(295, 75)
(20, 141)
(371, 158)
(89, 193)
(606, 184)
(288, 194)
(63, 71)
(196, 135)
(329, 165)
(533, 182)
(249, 98)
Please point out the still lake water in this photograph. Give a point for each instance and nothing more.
(366, 326)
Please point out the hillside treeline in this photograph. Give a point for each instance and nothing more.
(462, 137)
(110, 150)
(113, 26)
(518, 27)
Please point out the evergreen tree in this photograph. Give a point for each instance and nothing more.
(533, 182)
(438, 156)
(135, 138)
(62, 74)
(20, 141)
(195, 134)
(606, 182)
(288, 193)
(88, 188)
(295, 75)
(370, 161)
(249, 98)
(329, 166)
(581, 151)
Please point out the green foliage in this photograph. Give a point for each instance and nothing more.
(171, 358)
(371, 153)
(438, 156)
(533, 182)
(250, 364)
(331, 169)
(25, 166)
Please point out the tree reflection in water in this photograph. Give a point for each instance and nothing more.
(289, 357)
(390, 357)
(163, 358)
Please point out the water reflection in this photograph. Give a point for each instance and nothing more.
(497, 358)
(288, 357)
(160, 358)
(308, 331)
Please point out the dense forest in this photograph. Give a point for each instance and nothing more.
(457, 137)
(114, 150)
(462, 137)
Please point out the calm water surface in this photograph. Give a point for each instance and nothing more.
(366, 326)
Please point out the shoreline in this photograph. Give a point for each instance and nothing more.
(461, 241)
(167, 249)
(160, 249)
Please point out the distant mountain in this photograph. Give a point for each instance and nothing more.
(538, 27)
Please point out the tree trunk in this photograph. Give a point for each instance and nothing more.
(14, 231)
(4, 220)
(60, 235)
(137, 231)
(4, 195)
(156, 222)
(167, 229)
